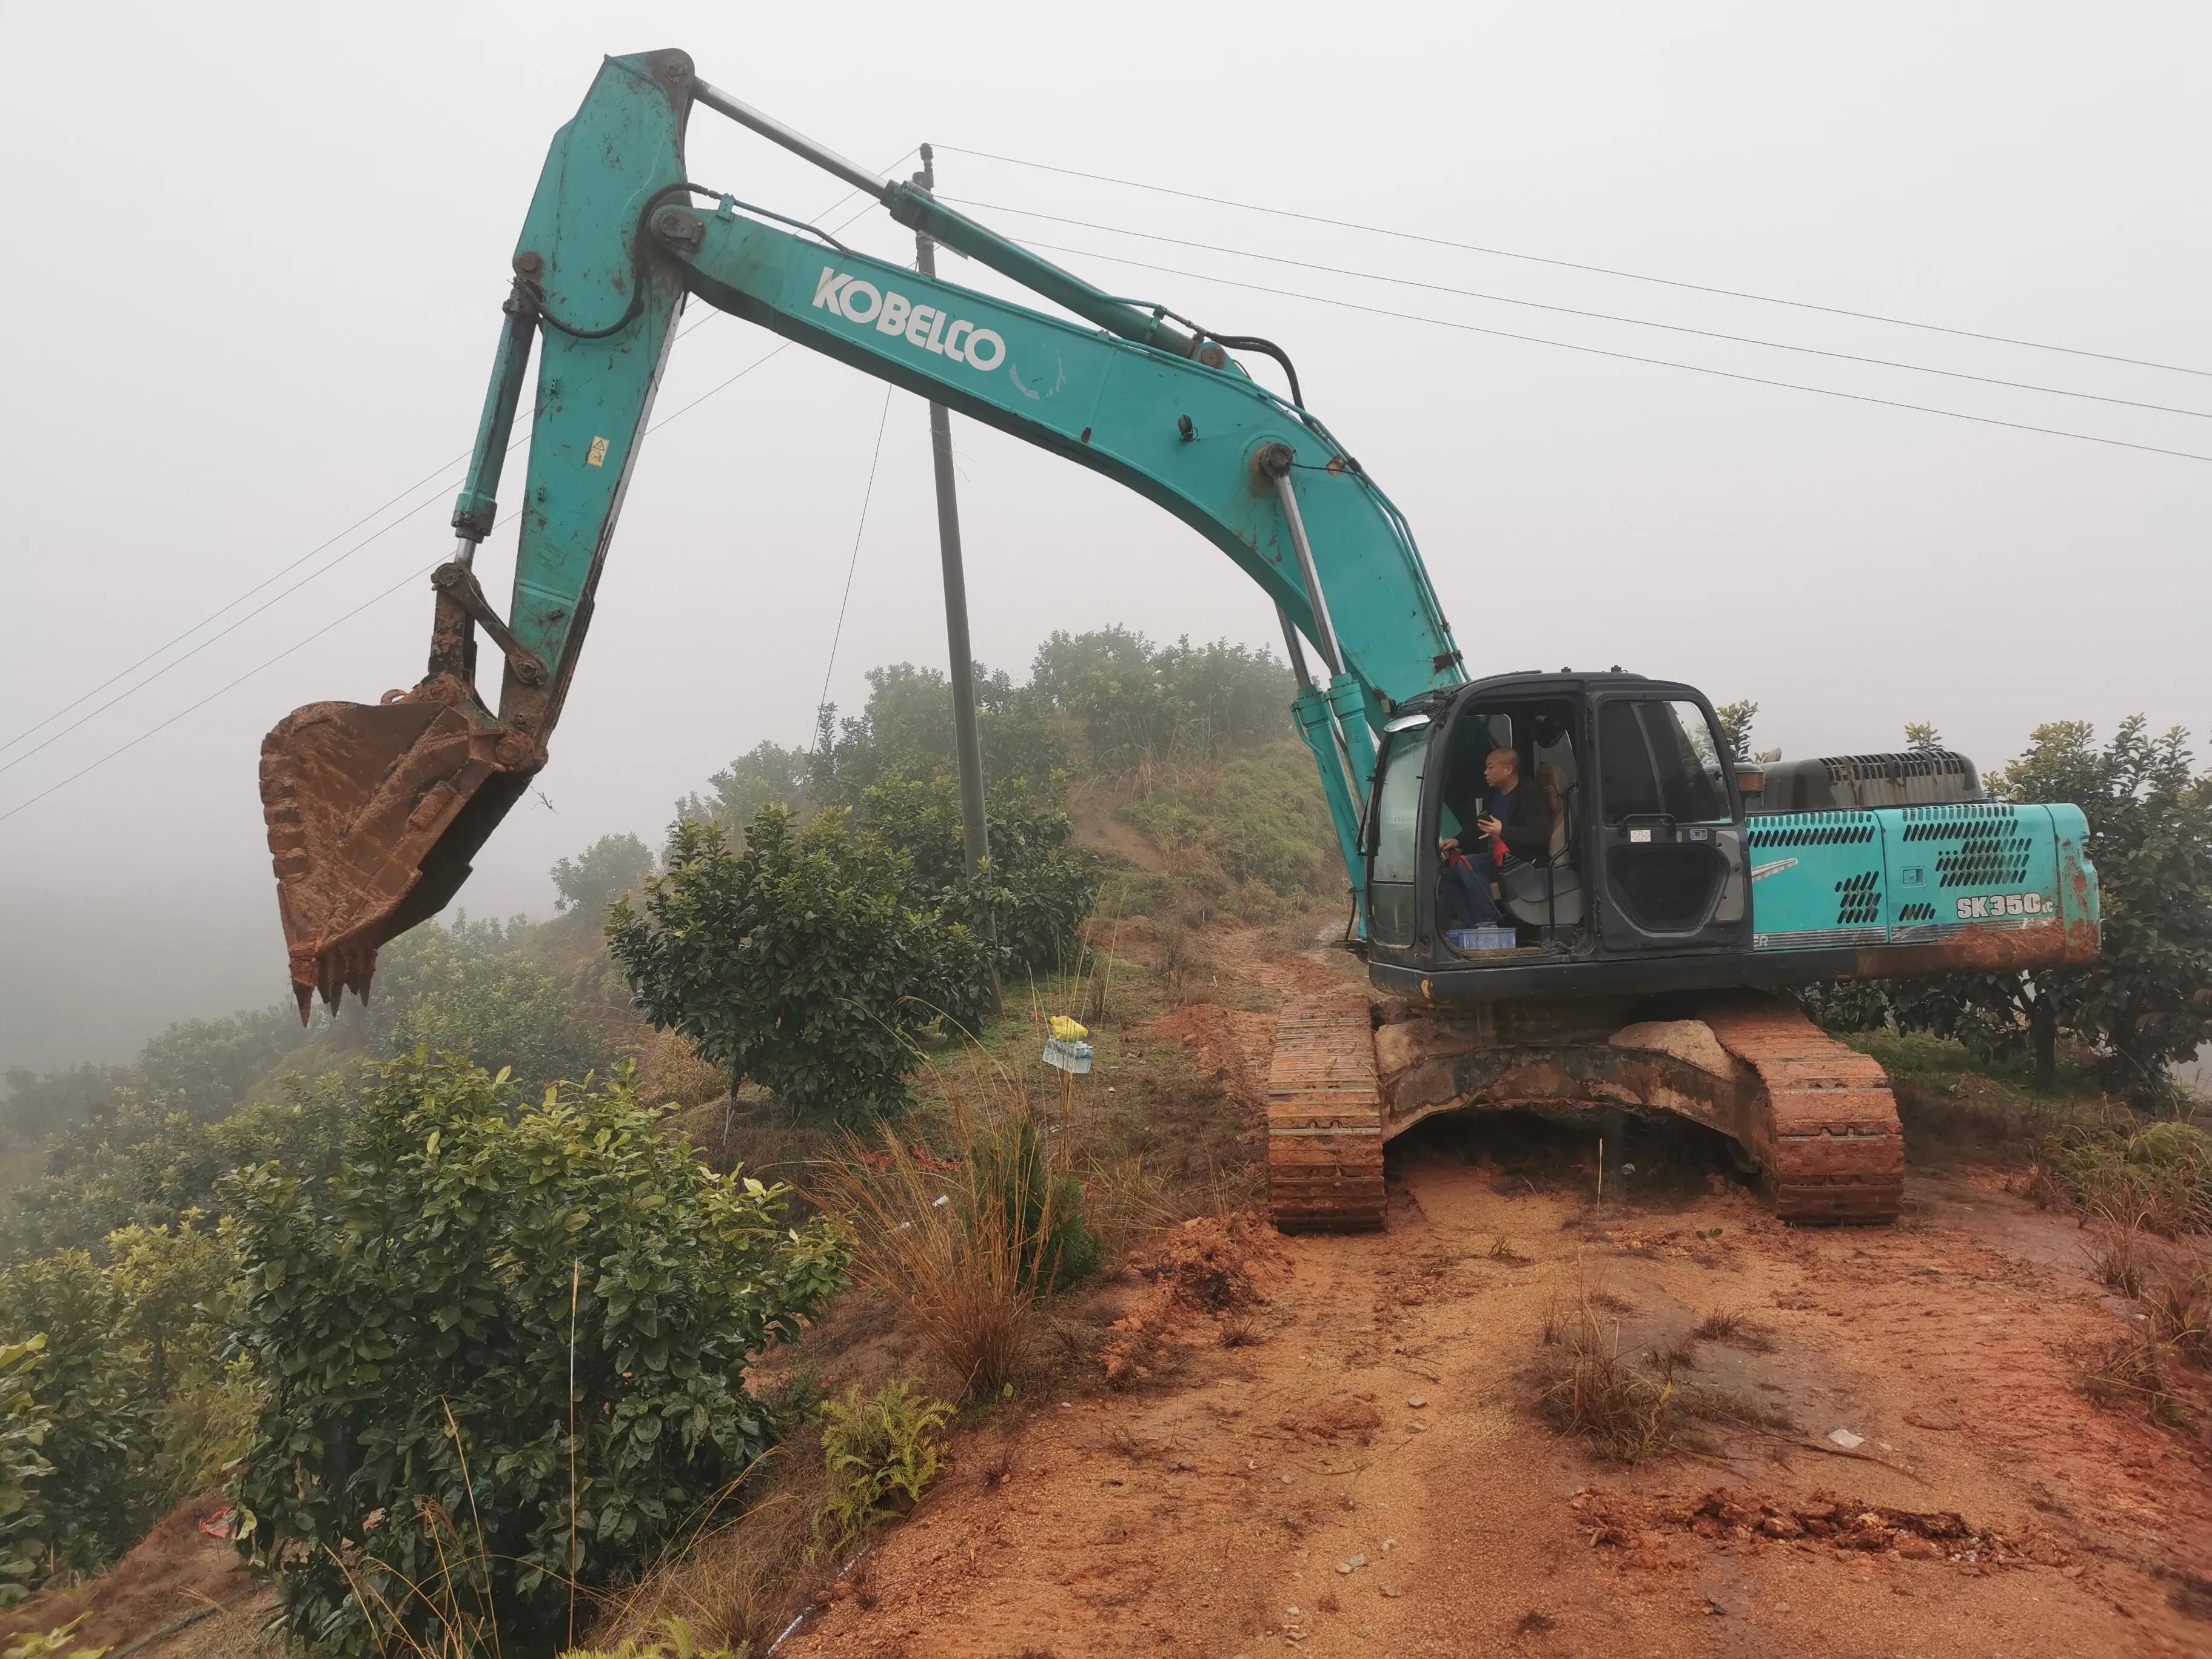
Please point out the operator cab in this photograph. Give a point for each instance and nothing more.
(1644, 852)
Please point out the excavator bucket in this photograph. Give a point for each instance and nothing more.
(374, 813)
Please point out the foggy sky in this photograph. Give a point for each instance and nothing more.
(256, 256)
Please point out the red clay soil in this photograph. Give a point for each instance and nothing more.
(1335, 1449)
(173, 1572)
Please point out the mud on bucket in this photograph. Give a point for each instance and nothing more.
(374, 813)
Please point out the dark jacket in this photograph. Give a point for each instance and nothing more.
(1527, 817)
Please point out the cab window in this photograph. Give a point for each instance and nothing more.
(1661, 760)
(1396, 869)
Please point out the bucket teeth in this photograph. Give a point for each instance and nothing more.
(373, 811)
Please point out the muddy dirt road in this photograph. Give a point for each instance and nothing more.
(1352, 1464)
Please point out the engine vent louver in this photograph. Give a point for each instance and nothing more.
(1859, 899)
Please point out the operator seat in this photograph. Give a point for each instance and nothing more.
(1549, 893)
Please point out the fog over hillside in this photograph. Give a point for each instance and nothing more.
(1599, 468)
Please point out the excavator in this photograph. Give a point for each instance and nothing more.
(1638, 959)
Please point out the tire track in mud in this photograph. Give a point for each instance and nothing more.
(1352, 1466)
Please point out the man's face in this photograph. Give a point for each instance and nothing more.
(1501, 770)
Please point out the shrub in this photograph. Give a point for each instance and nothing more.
(505, 1346)
(1027, 904)
(796, 962)
(1252, 834)
(2160, 1177)
(204, 1429)
(24, 1424)
(93, 1505)
(444, 991)
(169, 1286)
(600, 874)
(882, 1451)
(1139, 702)
(1037, 1206)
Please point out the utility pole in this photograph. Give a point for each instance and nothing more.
(974, 836)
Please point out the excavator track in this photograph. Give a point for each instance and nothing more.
(1833, 1148)
(1325, 1118)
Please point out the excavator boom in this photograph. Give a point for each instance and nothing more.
(1627, 961)
(374, 812)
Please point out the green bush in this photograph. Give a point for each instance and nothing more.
(485, 1272)
(600, 874)
(799, 962)
(1139, 701)
(681, 1642)
(906, 731)
(444, 991)
(1027, 903)
(24, 1426)
(2160, 1175)
(96, 1504)
(205, 1429)
(882, 1451)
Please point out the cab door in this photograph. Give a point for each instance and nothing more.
(1396, 836)
(1668, 828)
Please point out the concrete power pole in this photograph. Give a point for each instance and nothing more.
(974, 837)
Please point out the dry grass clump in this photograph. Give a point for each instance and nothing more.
(743, 1582)
(966, 1245)
(2136, 1369)
(2158, 1362)
(1736, 1328)
(2161, 1175)
(2115, 1249)
(1588, 1386)
(2177, 1299)
(1630, 1407)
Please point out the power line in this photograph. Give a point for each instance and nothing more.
(347, 616)
(1623, 356)
(1601, 316)
(178, 662)
(326, 570)
(300, 645)
(428, 477)
(859, 530)
(1570, 265)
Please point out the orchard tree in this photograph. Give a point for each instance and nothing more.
(505, 1353)
(1735, 726)
(600, 874)
(799, 962)
(97, 1436)
(767, 774)
(440, 990)
(2144, 1003)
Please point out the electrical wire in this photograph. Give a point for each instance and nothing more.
(1570, 265)
(1599, 316)
(1623, 356)
(95, 766)
(859, 530)
(131, 692)
(365, 604)
(429, 477)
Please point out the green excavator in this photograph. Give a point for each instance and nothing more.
(1629, 957)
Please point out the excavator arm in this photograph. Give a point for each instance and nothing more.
(374, 812)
